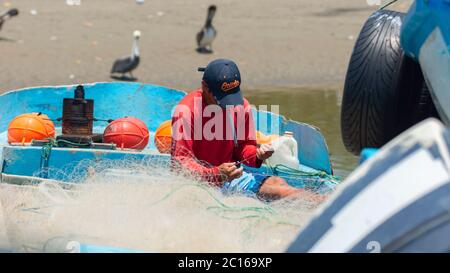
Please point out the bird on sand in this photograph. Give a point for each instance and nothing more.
(5, 16)
(207, 34)
(128, 64)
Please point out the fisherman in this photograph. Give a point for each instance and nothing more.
(213, 132)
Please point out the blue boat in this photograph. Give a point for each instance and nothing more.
(425, 37)
(397, 200)
(153, 104)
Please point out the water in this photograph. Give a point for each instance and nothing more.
(318, 107)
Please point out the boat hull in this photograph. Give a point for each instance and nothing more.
(150, 103)
(425, 37)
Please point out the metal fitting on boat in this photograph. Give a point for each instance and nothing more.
(78, 114)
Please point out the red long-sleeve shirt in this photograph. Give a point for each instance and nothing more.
(200, 152)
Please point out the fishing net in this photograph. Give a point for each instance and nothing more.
(145, 204)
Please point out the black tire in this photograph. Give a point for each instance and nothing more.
(384, 92)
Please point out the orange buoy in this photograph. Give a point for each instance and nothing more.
(26, 127)
(163, 137)
(264, 139)
(49, 124)
(129, 133)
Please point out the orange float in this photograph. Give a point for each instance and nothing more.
(127, 133)
(163, 137)
(265, 139)
(26, 127)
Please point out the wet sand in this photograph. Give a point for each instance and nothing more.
(287, 43)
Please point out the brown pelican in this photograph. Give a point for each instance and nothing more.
(5, 16)
(128, 64)
(207, 34)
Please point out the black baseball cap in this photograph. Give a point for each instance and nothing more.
(223, 78)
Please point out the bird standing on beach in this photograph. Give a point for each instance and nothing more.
(128, 64)
(207, 34)
(5, 16)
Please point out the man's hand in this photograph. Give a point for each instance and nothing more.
(264, 152)
(230, 171)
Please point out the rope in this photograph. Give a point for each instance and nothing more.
(312, 181)
(280, 168)
(47, 151)
(260, 213)
(92, 119)
(45, 157)
(388, 4)
(255, 215)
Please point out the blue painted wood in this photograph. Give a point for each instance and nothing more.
(74, 165)
(151, 103)
(268, 123)
(70, 165)
(312, 148)
(423, 17)
(425, 36)
(366, 154)
(86, 248)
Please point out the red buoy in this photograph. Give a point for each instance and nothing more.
(129, 133)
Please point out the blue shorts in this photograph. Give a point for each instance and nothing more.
(248, 184)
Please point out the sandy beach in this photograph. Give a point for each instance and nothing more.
(286, 43)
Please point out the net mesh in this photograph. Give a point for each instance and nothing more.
(145, 205)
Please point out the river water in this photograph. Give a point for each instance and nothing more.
(318, 107)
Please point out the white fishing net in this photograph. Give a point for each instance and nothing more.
(143, 205)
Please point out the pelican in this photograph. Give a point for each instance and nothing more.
(5, 16)
(128, 64)
(207, 34)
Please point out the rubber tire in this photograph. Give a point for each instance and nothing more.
(384, 92)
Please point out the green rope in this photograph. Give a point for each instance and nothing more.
(295, 173)
(70, 144)
(259, 213)
(45, 157)
(47, 151)
(288, 170)
(220, 203)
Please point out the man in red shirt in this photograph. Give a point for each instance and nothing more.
(213, 132)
